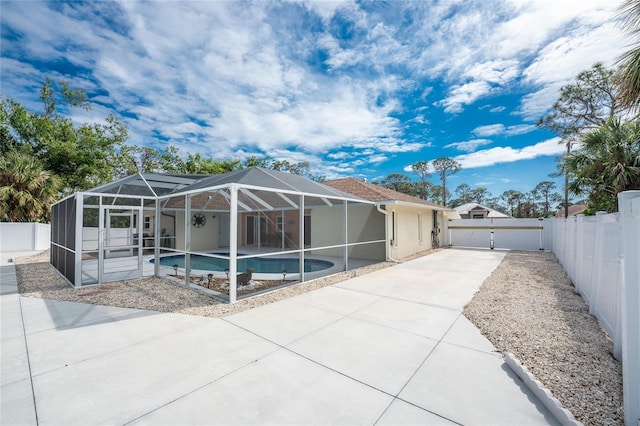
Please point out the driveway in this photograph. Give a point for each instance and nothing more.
(390, 347)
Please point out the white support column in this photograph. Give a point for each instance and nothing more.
(187, 239)
(629, 206)
(301, 216)
(301, 237)
(346, 236)
(78, 243)
(157, 241)
(541, 243)
(233, 243)
(101, 236)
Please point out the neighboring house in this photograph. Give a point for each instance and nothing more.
(412, 225)
(574, 210)
(478, 211)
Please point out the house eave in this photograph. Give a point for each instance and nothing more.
(416, 205)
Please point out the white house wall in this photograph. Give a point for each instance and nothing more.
(202, 239)
(407, 242)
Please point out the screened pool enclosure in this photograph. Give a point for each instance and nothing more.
(270, 227)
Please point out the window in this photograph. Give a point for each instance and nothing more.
(280, 223)
(393, 228)
(147, 222)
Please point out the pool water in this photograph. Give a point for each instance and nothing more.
(260, 265)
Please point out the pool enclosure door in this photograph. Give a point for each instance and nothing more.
(121, 243)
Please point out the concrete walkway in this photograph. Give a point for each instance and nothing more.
(387, 348)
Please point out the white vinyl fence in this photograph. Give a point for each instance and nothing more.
(601, 255)
(590, 251)
(513, 234)
(15, 236)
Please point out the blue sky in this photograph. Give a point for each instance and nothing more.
(359, 89)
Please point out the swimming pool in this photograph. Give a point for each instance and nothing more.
(260, 265)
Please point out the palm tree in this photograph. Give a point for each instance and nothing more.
(26, 189)
(608, 162)
(629, 73)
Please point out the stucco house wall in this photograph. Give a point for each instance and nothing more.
(408, 238)
(202, 239)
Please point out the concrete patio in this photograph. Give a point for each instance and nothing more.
(391, 347)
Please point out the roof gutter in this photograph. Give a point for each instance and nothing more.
(386, 234)
(407, 203)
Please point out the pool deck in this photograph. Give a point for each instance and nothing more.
(387, 348)
(126, 267)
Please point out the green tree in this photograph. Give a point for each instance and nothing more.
(437, 193)
(529, 205)
(399, 182)
(589, 102)
(496, 204)
(513, 200)
(83, 156)
(445, 167)
(421, 168)
(629, 72)
(301, 168)
(255, 161)
(131, 159)
(197, 164)
(546, 191)
(480, 195)
(26, 189)
(607, 163)
(465, 193)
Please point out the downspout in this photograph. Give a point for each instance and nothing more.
(386, 234)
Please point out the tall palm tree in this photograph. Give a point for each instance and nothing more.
(26, 189)
(608, 162)
(629, 74)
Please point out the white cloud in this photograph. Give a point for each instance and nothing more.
(464, 94)
(338, 155)
(409, 168)
(485, 77)
(498, 155)
(376, 159)
(227, 79)
(488, 130)
(561, 60)
(468, 146)
(519, 129)
(498, 129)
(497, 72)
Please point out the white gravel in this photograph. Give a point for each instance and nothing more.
(37, 278)
(528, 307)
